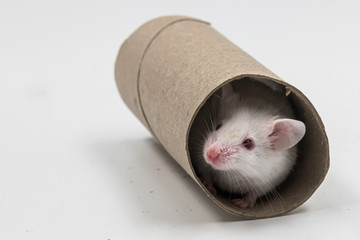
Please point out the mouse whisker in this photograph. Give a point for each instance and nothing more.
(257, 188)
(272, 190)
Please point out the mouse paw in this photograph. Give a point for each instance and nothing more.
(209, 186)
(241, 203)
(246, 202)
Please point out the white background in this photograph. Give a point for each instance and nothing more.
(76, 164)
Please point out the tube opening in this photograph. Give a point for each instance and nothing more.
(285, 195)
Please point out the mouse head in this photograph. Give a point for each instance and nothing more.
(246, 138)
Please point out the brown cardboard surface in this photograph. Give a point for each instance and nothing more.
(170, 66)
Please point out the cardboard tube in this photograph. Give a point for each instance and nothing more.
(167, 70)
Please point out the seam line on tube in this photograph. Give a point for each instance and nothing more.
(141, 61)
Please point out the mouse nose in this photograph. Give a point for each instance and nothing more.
(213, 153)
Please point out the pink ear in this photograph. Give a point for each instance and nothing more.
(286, 133)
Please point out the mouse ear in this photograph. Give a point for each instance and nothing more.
(286, 133)
(226, 90)
(228, 100)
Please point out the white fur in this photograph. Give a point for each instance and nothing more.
(259, 170)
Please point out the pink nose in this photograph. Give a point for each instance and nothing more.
(213, 153)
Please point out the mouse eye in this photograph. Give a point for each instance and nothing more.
(248, 143)
(218, 126)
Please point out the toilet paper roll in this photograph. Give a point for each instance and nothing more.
(168, 69)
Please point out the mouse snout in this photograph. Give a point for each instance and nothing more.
(217, 155)
(213, 153)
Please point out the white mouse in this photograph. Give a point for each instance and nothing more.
(251, 147)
